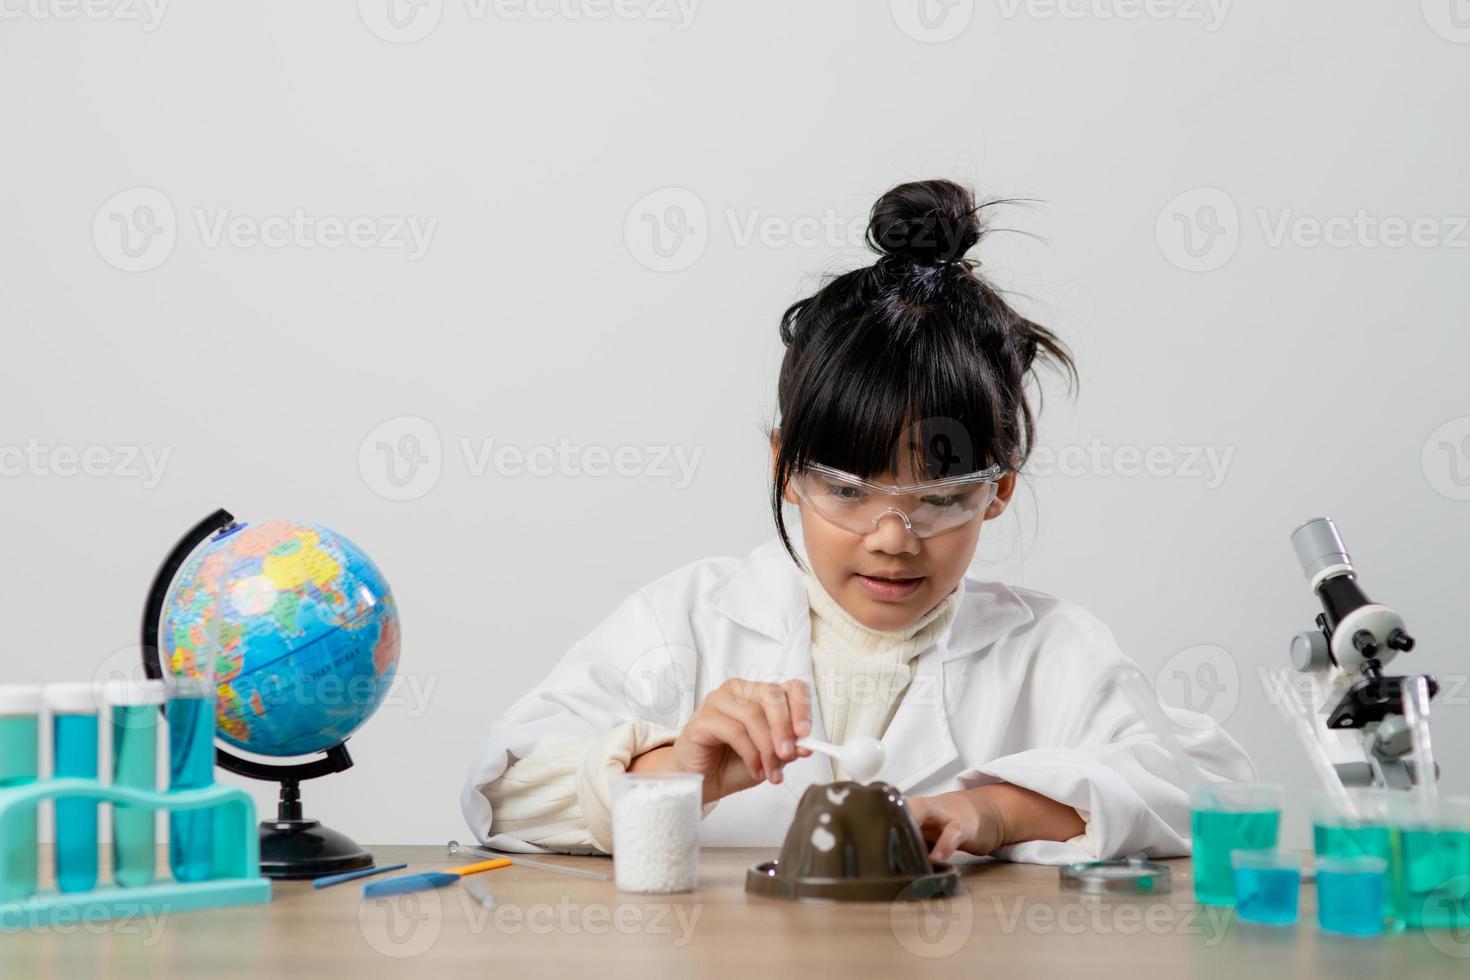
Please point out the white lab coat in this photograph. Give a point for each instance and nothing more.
(1007, 694)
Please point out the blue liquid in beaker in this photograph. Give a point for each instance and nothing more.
(1351, 900)
(1267, 895)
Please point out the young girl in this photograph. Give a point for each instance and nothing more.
(904, 422)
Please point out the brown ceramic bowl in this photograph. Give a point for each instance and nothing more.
(854, 842)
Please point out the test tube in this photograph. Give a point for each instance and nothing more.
(20, 710)
(191, 766)
(73, 710)
(134, 709)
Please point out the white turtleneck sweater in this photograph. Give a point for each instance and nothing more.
(861, 674)
(558, 796)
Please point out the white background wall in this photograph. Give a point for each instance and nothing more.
(1332, 374)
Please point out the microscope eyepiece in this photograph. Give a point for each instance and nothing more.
(1319, 548)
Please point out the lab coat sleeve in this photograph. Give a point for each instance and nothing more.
(625, 688)
(1092, 752)
(559, 798)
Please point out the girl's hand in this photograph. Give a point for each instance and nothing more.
(964, 821)
(742, 735)
(982, 819)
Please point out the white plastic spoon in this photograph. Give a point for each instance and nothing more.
(861, 756)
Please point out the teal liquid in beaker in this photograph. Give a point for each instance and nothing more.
(1216, 834)
(191, 766)
(19, 766)
(1351, 892)
(134, 764)
(76, 817)
(1369, 840)
(1431, 877)
(1267, 895)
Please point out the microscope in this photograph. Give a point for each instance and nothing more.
(1365, 733)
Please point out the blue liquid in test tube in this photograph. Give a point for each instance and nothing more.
(191, 766)
(135, 709)
(74, 732)
(20, 710)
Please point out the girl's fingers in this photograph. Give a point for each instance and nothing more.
(731, 732)
(799, 700)
(778, 719)
(751, 715)
(949, 841)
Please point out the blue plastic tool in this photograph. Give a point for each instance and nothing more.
(337, 879)
(425, 880)
(409, 883)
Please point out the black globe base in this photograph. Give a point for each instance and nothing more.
(307, 849)
(294, 846)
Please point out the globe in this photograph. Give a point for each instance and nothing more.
(302, 628)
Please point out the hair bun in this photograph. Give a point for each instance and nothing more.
(930, 222)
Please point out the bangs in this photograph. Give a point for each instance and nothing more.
(878, 406)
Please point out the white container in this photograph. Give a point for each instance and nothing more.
(655, 820)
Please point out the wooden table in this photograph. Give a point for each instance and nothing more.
(1008, 921)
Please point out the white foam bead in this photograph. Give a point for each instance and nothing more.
(656, 837)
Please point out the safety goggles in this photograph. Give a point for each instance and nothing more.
(926, 509)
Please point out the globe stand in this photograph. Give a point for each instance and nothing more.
(291, 846)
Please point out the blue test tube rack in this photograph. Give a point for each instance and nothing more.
(234, 877)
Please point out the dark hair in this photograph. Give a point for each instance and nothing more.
(916, 352)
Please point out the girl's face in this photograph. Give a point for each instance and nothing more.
(887, 578)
